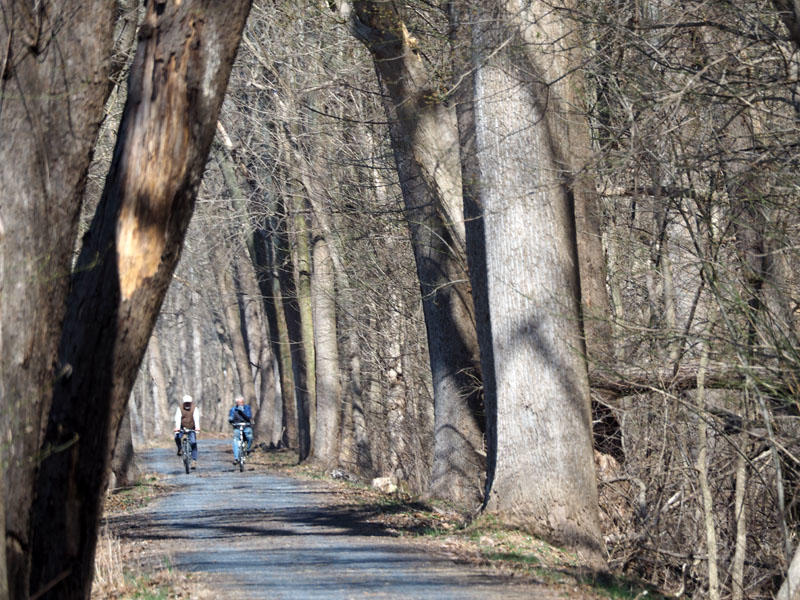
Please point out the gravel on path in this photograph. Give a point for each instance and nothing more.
(269, 536)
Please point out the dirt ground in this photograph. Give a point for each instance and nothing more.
(283, 531)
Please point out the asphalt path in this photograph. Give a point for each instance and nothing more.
(269, 536)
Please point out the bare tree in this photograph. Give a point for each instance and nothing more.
(46, 103)
(177, 82)
(424, 134)
(524, 269)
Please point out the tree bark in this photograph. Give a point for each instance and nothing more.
(702, 475)
(524, 268)
(261, 358)
(424, 134)
(291, 314)
(790, 589)
(159, 414)
(322, 296)
(299, 237)
(325, 449)
(123, 466)
(234, 323)
(268, 281)
(176, 86)
(50, 112)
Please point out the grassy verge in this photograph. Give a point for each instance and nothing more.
(145, 490)
(131, 570)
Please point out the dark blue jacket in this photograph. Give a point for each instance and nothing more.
(240, 414)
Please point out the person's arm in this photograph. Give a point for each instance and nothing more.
(248, 413)
(231, 414)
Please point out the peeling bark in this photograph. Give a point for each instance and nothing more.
(175, 89)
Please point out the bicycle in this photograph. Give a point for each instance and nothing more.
(241, 442)
(186, 449)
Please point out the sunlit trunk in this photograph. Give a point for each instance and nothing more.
(524, 267)
(176, 86)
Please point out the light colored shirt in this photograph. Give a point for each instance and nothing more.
(196, 418)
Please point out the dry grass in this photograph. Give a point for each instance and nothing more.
(108, 565)
(127, 570)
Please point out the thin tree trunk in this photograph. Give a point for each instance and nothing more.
(291, 313)
(702, 475)
(301, 259)
(326, 434)
(740, 518)
(322, 295)
(197, 353)
(223, 272)
(261, 358)
(176, 86)
(159, 414)
(268, 281)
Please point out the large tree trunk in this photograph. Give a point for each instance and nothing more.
(175, 89)
(325, 450)
(524, 267)
(425, 141)
(50, 112)
(301, 259)
(550, 47)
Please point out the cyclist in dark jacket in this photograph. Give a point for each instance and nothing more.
(241, 413)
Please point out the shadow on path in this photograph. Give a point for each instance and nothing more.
(270, 536)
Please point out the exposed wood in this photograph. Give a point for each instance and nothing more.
(177, 82)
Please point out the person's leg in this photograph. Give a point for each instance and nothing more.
(236, 433)
(178, 442)
(193, 442)
(248, 434)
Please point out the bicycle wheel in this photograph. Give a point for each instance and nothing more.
(186, 451)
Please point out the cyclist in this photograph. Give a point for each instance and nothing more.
(241, 413)
(187, 415)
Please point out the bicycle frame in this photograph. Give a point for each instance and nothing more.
(241, 441)
(186, 449)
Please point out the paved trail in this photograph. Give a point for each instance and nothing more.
(273, 537)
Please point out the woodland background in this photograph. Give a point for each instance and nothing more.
(328, 271)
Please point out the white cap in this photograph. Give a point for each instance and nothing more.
(187, 399)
